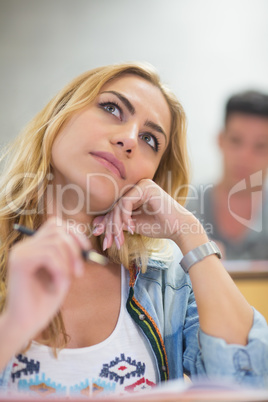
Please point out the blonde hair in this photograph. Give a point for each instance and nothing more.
(28, 165)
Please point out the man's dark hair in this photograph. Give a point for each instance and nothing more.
(249, 102)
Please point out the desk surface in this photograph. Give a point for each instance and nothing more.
(246, 269)
(193, 395)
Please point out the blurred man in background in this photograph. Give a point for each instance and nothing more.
(234, 211)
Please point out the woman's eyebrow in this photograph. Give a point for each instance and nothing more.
(132, 111)
(123, 99)
(156, 127)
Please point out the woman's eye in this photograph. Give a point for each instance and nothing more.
(112, 109)
(151, 140)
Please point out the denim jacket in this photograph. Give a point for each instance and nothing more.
(162, 303)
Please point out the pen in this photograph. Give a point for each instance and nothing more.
(90, 255)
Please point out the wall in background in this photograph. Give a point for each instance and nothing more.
(204, 50)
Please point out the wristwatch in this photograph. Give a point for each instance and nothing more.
(198, 254)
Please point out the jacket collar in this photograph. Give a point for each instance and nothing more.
(157, 264)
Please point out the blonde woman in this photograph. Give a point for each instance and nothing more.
(104, 166)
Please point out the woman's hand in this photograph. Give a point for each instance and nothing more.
(148, 210)
(40, 269)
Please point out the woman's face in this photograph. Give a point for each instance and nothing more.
(112, 144)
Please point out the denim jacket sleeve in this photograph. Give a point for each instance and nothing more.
(244, 364)
(204, 355)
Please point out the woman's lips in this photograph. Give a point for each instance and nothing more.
(113, 164)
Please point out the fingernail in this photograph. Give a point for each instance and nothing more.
(104, 245)
(117, 243)
(95, 230)
(98, 229)
(130, 230)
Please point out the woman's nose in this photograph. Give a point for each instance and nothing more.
(126, 139)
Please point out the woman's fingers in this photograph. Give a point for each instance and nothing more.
(120, 219)
(110, 231)
(145, 209)
(53, 234)
(41, 269)
(54, 249)
(113, 225)
(118, 226)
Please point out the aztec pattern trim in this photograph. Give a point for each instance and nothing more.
(149, 328)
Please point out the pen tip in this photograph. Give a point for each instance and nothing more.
(94, 256)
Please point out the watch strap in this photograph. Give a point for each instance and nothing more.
(198, 254)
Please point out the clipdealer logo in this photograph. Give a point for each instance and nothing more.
(255, 182)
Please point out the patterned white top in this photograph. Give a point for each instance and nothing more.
(122, 363)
